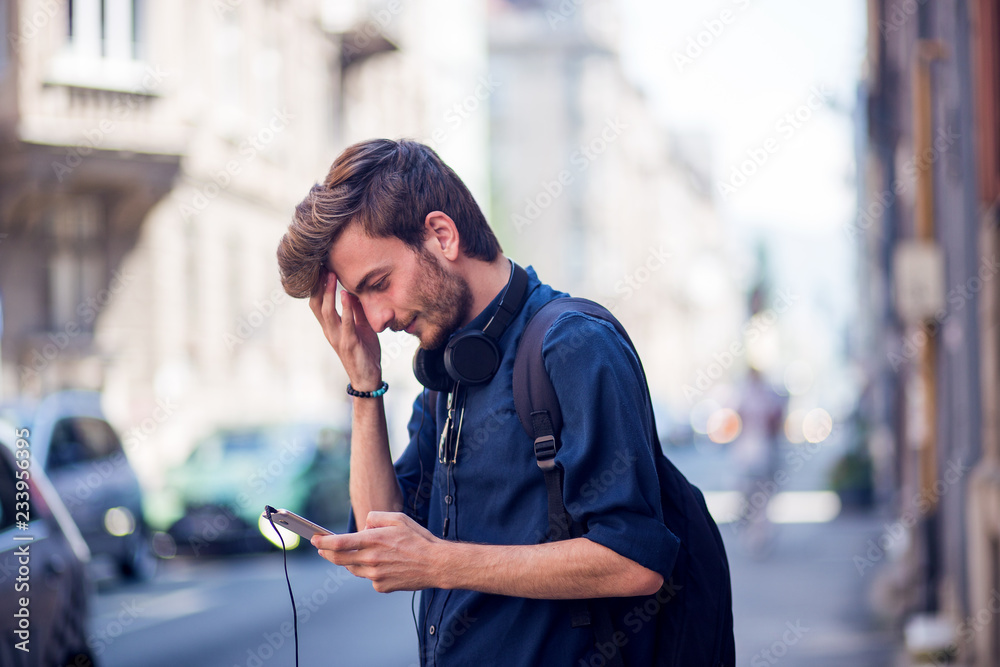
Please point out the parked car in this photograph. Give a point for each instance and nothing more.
(83, 457)
(53, 582)
(214, 499)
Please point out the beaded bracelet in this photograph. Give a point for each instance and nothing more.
(368, 394)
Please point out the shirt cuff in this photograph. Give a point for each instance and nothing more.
(644, 540)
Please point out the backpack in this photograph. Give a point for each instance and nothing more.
(694, 627)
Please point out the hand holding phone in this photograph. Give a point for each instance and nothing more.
(295, 523)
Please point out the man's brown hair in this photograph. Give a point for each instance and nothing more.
(388, 187)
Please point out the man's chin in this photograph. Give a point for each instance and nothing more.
(431, 340)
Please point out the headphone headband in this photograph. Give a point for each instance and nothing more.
(510, 302)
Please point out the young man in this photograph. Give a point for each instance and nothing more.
(464, 518)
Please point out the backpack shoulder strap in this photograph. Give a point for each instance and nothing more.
(538, 411)
(538, 406)
(533, 391)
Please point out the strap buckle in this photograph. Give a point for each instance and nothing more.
(545, 451)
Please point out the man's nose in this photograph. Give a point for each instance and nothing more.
(379, 315)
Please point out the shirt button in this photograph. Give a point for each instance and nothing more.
(448, 499)
(431, 630)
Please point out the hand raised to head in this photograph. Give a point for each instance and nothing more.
(350, 333)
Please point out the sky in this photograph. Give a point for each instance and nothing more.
(772, 87)
(737, 69)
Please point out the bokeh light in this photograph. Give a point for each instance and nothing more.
(817, 425)
(724, 426)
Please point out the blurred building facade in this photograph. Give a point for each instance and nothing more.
(590, 188)
(927, 233)
(151, 155)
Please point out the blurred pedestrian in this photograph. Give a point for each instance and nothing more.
(755, 453)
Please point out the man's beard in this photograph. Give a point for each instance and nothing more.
(443, 301)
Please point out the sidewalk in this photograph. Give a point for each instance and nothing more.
(806, 603)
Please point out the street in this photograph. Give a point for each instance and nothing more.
(236, 612)
(803, 603)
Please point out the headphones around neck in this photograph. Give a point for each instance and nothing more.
(473, 357)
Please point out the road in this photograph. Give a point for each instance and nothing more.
(228, 612)
(803, 603)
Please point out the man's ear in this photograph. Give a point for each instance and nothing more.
(441, 235)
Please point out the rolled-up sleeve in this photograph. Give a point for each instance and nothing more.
(610, 483)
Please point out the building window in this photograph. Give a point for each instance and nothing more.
(105, 47)
(229, 56)
(77, 267)
(105, 28)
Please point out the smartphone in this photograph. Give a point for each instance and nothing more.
(293, 522)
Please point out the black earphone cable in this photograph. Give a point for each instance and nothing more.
(284, 557)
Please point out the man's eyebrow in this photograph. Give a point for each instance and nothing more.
(363, 284)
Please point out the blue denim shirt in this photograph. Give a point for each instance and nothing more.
(495, 493)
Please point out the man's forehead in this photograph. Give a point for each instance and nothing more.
(354, 255)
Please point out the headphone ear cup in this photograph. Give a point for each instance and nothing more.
(472, 357)
(429, 369)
